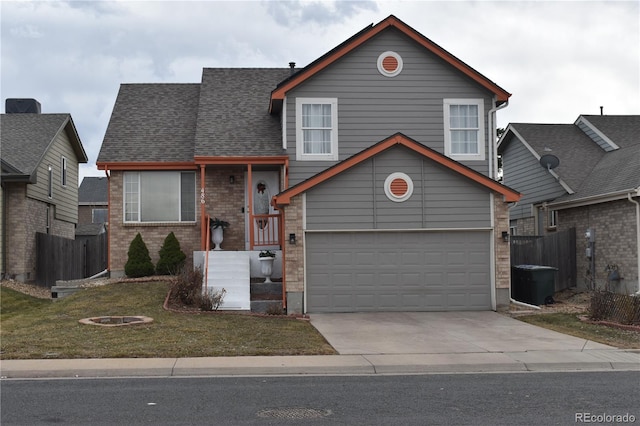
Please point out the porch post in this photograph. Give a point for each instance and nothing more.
(250, 204)
(203, 225)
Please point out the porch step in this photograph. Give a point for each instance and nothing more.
(230, 270)
(264, 290)
(273, 307)
(266, 298)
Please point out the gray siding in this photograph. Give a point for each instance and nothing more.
(355, 199)
(523, 172)
(372, 107)
(64, 198)
(595, 137)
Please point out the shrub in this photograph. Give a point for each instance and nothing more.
(139, 262)
(187, 289)
(171, 257)
(188, 286)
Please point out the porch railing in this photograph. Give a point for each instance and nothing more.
(266, 230)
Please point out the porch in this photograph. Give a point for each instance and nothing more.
(238, 191)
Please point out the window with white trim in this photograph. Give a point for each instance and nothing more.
(50, 181)
(317, 129)
(63, 171)
(159, 196)
(464, 129)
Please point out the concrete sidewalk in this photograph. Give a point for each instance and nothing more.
(376, 343)
(586, 360)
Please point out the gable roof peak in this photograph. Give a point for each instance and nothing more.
(278, 94)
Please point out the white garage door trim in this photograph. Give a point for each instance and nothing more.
(425, 235)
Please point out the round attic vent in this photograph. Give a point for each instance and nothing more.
(389, 64)
(398, 187)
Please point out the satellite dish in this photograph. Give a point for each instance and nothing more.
(549, 161)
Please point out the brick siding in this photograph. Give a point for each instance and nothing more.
(615, 227)
(25, 217)
(502, 252)
(222, 199)
(294, 254)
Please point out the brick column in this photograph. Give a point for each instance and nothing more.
(502, 253)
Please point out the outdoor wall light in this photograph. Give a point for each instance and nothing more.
(232, 179)
(292, 238)
(505, 236)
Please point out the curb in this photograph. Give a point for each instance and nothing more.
(372, 364)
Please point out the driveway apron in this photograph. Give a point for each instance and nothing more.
(440, 333)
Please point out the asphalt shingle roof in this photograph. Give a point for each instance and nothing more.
(233, 117)
(623, 130)
(584, 166)
(152, 123)
(93, 190)
(577, 153)
(24, 138)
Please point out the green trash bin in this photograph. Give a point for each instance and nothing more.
(533, 284)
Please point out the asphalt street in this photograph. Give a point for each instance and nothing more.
(559, 398)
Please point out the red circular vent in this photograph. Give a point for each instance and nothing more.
(398, 187)
(390, 64)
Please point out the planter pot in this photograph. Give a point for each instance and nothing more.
(266, 267)
(217, 237)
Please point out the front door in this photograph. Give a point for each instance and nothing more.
(265, 230)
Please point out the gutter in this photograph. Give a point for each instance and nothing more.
(637, 194)
(494, 143)
(594, 199)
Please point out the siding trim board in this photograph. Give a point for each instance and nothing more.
(278, 95)
(284, 198)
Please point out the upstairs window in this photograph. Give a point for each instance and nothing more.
(63, 171)
(50, 182)
(159, 197)
(464, 129)
(317, 129)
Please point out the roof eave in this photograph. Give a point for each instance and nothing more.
(594, 199)
(284, 198)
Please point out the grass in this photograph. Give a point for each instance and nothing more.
(34, 328)
(570, 324)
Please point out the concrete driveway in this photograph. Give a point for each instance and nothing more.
(440, 333)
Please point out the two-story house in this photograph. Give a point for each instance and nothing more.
(39, 191)
(370, 170)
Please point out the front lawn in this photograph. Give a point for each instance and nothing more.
(33, 328)
(569, 323)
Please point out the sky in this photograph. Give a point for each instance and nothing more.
(559, 59)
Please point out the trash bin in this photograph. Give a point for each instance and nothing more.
(533, 284)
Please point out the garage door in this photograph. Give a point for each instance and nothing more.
(398, 271)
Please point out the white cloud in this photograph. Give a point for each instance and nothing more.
(559, 59)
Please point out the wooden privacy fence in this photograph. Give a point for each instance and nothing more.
(557, 250)
(60, 258)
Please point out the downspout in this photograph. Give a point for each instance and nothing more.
(494, 142)
(637, 191)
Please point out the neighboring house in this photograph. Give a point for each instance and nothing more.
(93, 201)
(371, 169)
(40, 157)
(595, 186)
